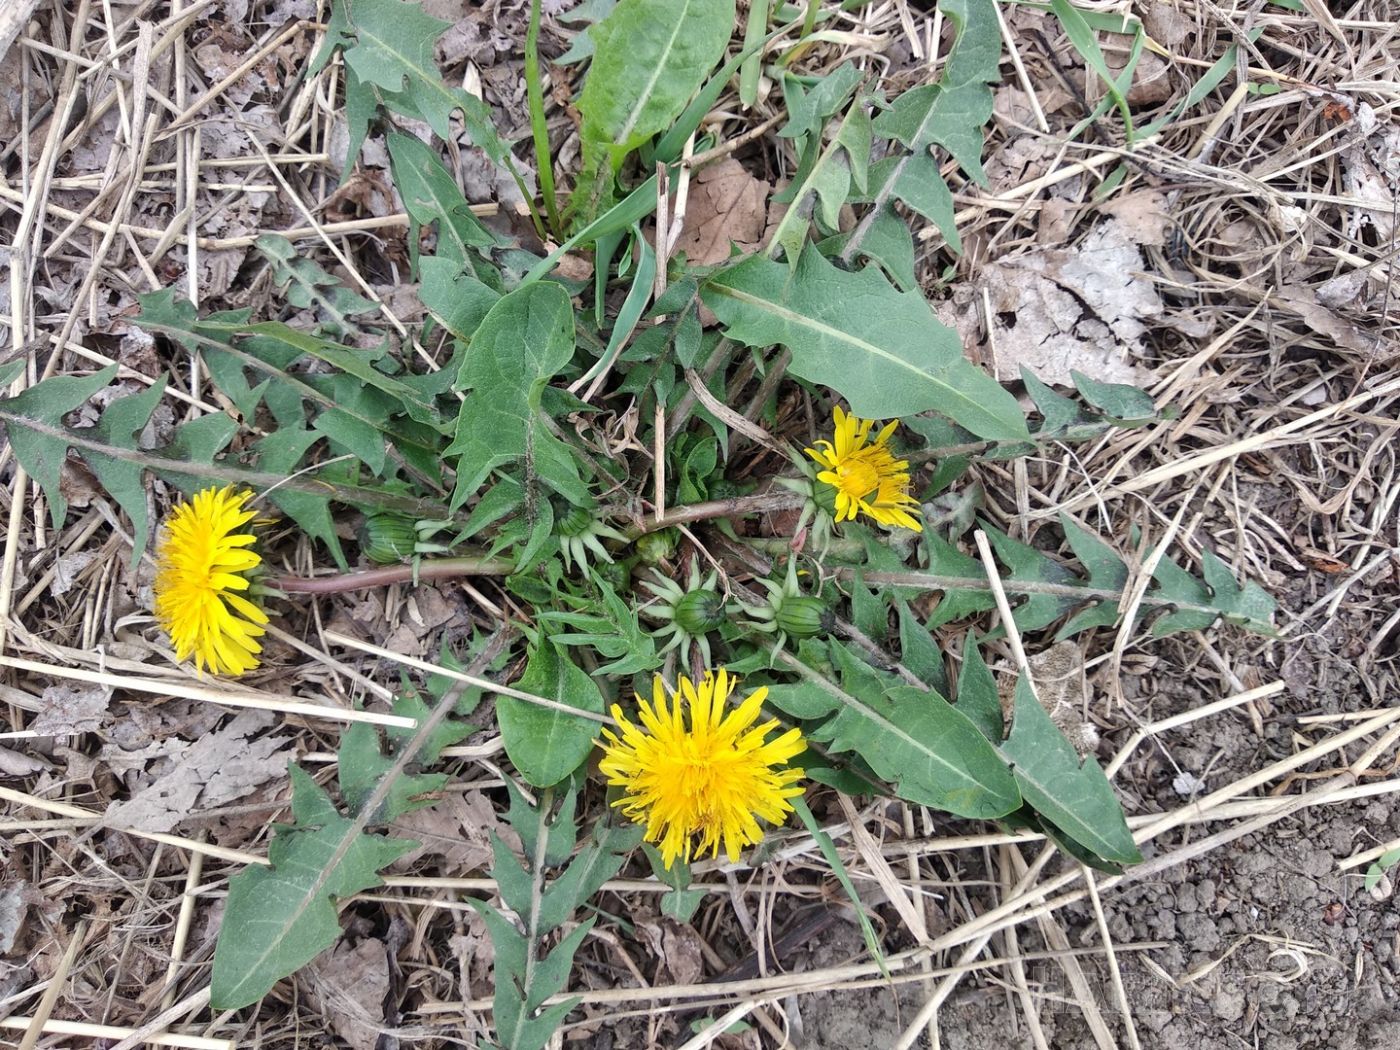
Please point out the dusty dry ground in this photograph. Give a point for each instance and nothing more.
(1241, 270)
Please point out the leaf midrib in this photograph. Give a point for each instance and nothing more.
(355, 825)
(626, 130)
(1087, 834)
(884, 723)
(807, 324)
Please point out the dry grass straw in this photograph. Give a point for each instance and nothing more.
(1282, 393)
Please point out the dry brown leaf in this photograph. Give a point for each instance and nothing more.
(677, 946)
(474, 952)
(1165, 23)
(1152, 82)
(348, 986)
(457, 828)
(1143, 216)
(1302, 302)
(726, 204)
(13, 905)
(427, 609)
(69, 709)
(1342, 290)
(17, 764)
(1055, 309)
(212, 771)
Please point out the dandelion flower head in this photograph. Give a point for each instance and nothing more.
(864, 473)
(203, 562)
(701, 782)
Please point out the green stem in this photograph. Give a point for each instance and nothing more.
(810, 22)
(539, 129)
(753, 65)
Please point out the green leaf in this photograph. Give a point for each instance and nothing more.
(1029, 565)
(40, 453)
(611, 628)
(525, 339)
(360, 423)
(1107, 571)
(33, 423)
(883, 350)
(919, 652)
(957, 603)
(1197, 605)
(868, 611)
(636, 206)
(950, 113)
(1057, 411)
(1027, 819)
(546, 745)
(280, 452)
(916, 180)
(1248, 604)
(828, 170)
(526, 975)
(1115, 400)
(1076, 797)
(120, 424)
(200, 441)
(643, 281)
(977, 693)
(934, 115)
(432, 198)
(808, 110)
(354, 363)
(650, 57)
(589, 13)
(1378, 867)
(308, 287)
(886, 241)
(929, 751)
(364, 761)
(670, 146)
(454, 297)
(586, 873)
(681, 903)
(976, 52)
(277, 919)
(388, 44)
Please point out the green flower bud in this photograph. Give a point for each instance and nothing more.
(656, 547)
(387, 539)
(575, 523)
(804, 617)
(700, 612)
(616, 574)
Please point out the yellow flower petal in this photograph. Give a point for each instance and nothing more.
(202, 563)
(864, 474)
(698, 783)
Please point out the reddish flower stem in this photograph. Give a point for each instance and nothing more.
(428, 569)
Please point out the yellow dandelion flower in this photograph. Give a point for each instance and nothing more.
(865, 474)
(203, 562)
(709, 779)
